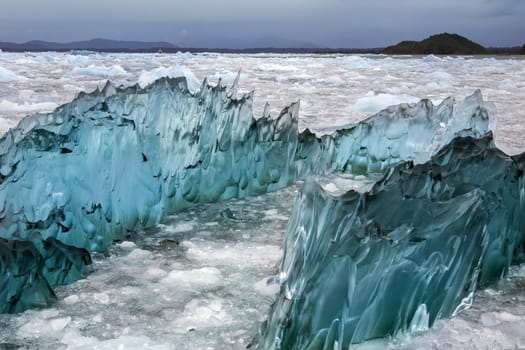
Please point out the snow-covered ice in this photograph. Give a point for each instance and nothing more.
(328, 86)
(148, 77)
(7, 75)
(373, 103)
(9, 106)
(102, 71)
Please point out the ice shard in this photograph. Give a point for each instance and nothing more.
(120, 159)
(28, 270)
(399, 253)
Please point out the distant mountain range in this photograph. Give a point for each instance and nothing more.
(257, 45)
(94, 44)
(439, 44)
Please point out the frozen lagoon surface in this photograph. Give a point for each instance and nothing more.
(199, 281)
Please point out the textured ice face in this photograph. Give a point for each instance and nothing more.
(120, 159)
(115, 161)
(401, 254)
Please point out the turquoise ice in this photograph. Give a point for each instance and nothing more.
(395, 254)
(119, 160)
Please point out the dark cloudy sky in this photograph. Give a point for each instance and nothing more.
(241, 23)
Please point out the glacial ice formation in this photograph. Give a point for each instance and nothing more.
(399, 254)
(120, 159)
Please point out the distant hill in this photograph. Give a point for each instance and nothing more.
(439, 44)
(522, 50)
(94, 44)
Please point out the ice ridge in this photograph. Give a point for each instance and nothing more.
(399, 255)
(120, 159)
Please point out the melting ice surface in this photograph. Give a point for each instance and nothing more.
(281, 89)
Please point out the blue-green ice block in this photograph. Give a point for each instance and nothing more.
(401, 253)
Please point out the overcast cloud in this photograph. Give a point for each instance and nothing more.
(236, 23)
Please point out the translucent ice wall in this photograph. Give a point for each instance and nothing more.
(397, 255)
(403, 132)
(120, 159)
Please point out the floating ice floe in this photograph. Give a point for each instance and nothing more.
(148, 77)
(7, 75)
(9, 106)
(102, 71)
(374, 102)
(432, 58)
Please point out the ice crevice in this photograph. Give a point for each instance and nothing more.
(121, 159)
